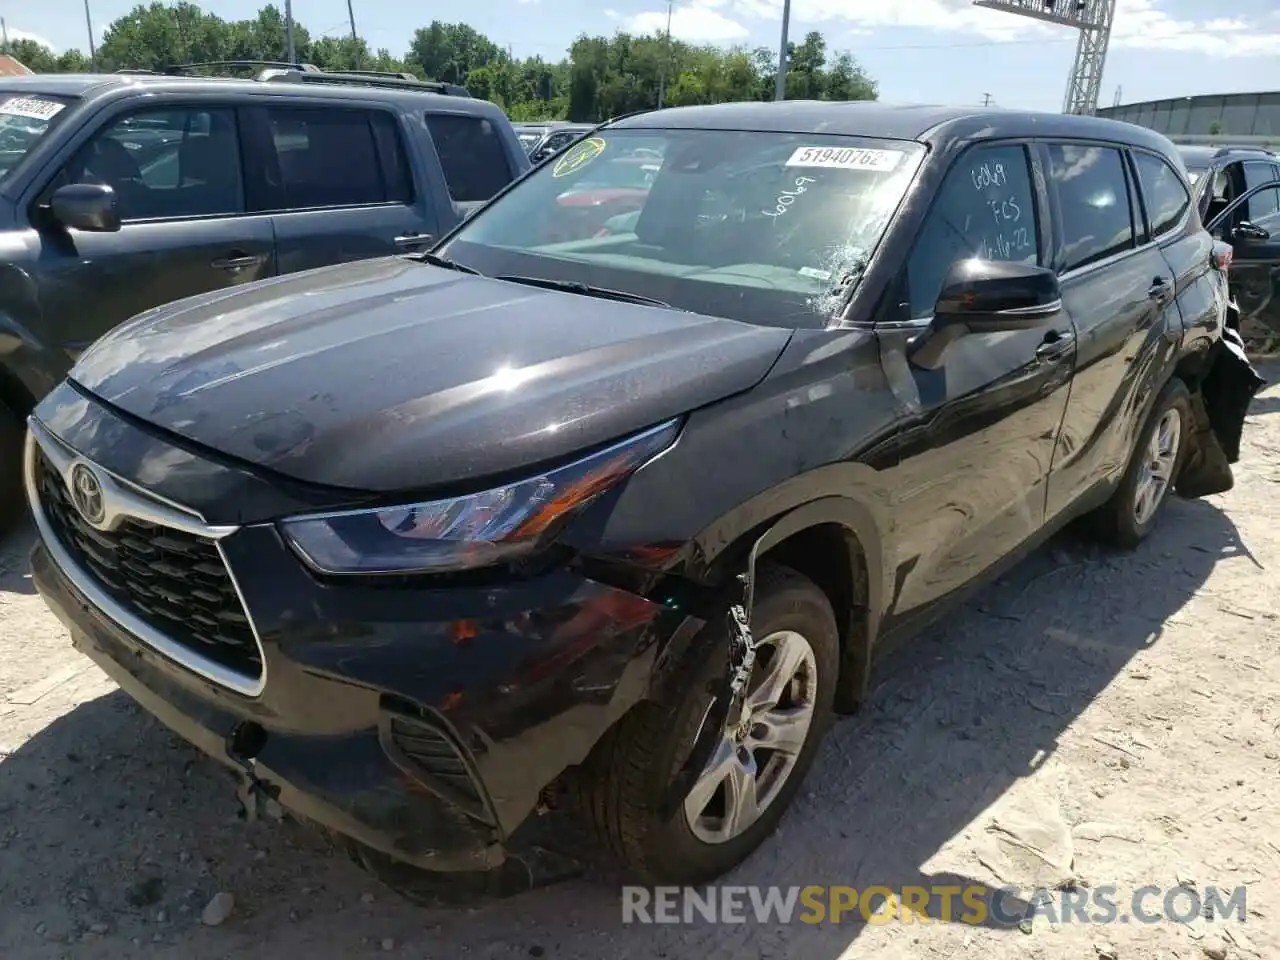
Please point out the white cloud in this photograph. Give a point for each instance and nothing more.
(1144, 23)
(16, 34)
(941, 15)
(696, 22)
(611, 13)
(1138, 23)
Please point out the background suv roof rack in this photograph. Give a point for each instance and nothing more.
(183, 69)
(1224, 151)
(367, 78)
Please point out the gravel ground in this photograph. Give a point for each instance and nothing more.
(1091, 719)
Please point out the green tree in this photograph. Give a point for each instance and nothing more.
(600, 77)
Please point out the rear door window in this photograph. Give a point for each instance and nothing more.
(1163, 193)
(471, 154)
(1093, 202)
(329, 157)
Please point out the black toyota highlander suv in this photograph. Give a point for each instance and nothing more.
(422, 545)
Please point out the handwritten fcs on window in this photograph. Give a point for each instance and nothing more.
(1006, 236)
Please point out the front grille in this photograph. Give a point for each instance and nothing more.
(172, 580)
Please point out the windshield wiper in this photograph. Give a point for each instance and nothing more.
(586, 290)
(436, 260)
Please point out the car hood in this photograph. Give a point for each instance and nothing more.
(388, 375)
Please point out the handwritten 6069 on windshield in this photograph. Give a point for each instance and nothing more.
(787, 197)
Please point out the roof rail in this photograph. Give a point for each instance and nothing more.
(139, 72)
(1224, 151)
(396, 81)
(181, 69)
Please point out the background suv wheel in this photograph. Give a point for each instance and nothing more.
(13, 502)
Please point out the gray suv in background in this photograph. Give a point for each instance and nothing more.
(122, 192)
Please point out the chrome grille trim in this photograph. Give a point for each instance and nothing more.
(123, 499)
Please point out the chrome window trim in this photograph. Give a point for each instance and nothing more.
(124, 499)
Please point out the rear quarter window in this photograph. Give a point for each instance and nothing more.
(472, 156)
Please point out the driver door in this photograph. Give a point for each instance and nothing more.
(176, 173)
(979, 425)
(1251, 224)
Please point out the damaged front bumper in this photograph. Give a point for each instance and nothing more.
(428, 741)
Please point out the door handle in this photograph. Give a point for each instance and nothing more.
(412, 239)
(237, 260)
(1056, 345)
(1160, 290)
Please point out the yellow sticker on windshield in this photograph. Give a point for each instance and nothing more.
(578, 156)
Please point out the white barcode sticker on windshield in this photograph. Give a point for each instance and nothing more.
(845, 158)
(31, 108)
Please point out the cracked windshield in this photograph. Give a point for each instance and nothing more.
(769, 228)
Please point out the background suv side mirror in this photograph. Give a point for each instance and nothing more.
(986, 296)
(1246, 231)
(85, 206)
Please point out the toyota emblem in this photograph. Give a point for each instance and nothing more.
(86, 494)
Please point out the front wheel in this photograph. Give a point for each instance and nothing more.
(13, 503)
(1130, 515)
(752, 774)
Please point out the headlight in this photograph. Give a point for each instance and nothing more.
(476, 530)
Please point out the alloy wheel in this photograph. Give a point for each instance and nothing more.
(1161, 456)
(754, 758)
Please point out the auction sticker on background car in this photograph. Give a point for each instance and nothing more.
(845, 158)
(578, 157)
(31, 107)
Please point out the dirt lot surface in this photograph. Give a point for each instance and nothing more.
(1094, 718)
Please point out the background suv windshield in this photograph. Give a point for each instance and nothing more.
(764, 227)
(24, 119)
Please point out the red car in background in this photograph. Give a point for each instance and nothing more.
(611, 187)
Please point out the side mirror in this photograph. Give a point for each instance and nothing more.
(1247, 231)
(986, 296)
(989, 295)
(86, 206)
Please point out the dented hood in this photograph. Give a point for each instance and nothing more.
(391, 375)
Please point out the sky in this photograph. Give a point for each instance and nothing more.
(919, 51)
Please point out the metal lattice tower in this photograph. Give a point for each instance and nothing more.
(1093, 18)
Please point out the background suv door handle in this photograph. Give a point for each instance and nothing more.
(1160, 290)
(410, 240)
(238, 260)
(1056, 344)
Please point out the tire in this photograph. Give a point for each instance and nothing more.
(13, 500)
(1126, 520)
(624, 783)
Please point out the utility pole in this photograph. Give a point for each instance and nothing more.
(93, 51)
(1093, 18)
(288, 28)
(666, 59)
(4, 29)
(986, 99)
(351, 18)
(780, 86)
